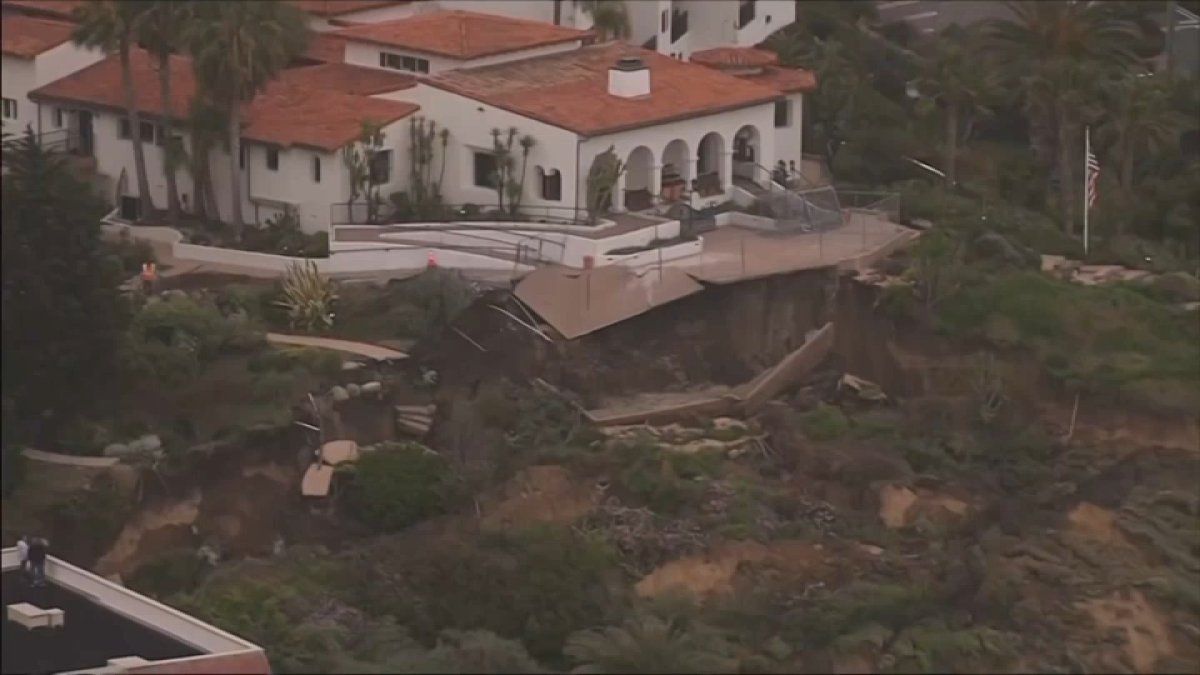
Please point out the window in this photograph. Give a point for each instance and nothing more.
(745, 13)
(381, 167)
(123, 128)
(551, 185)
(146, 132)
(10, 109)
(131, 208)
(783, 114)
(663, 22)
(316, 169)
(397, 62)
(485, 170)
(58, 118)
(679, 24)
(241, 156)
(273, 159)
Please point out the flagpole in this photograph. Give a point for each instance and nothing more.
(1087, 153)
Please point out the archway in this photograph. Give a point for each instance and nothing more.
(676, 170)
(747, 152)
(639, 179)
(710, 165)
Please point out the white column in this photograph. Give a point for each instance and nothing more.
(656, 181)
(618, 198)
(727, 173)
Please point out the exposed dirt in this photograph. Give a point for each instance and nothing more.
(538, 494)
(150, 532)
(1096, 523)
(900, 506)
(715, 572)
(1146, 635)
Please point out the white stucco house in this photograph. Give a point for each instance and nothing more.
(36, 52)
(292, 138)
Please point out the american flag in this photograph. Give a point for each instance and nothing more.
(1093, 173)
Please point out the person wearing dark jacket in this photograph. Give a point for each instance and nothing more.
(37, 561)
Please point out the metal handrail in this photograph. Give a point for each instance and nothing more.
(359, 213)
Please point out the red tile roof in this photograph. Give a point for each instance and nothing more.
(244, 663)
(61, 9)
(462, 35)
(326, 48)
(745, 57)
(328, 8)
(757, 65)
(785, 80)
(319, 106)
(25, 37)
(570, 89)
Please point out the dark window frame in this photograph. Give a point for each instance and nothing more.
(783, 114)
(381, 167)
(316, 168)
(147, 129)
(10, 109)
(272, 159)
(485, 175)
(551, 185)
(124, 130)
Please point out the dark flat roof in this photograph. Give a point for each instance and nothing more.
(91, 636)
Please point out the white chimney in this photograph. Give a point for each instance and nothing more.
(630, 78)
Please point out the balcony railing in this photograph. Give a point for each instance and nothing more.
(362, 213)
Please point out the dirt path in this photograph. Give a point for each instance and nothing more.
(370, 351)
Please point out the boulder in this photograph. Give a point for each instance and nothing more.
(374, 387)
(1178, 286)
(148, 444)
(118, 450)
(353, 390)
(995, 247)
(339, 394)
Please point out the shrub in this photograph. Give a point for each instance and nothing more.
(89, 521)
(651, 478)
(856, 605)
(13, 469)
(130, 253)
(824, 423)
(397, 486)
(283, 235)
(177, 572)
(308, 298)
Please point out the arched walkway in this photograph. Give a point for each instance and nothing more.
(639, 179)
(710, 165)
(747, 153)
(676, 170)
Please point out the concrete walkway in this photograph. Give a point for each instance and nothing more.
(364, 349)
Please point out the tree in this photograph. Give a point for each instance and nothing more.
(601, 180)
(206, 127)
(1139, 117)
(237, 48)
(112, 26)
(649, 644)
(158, 32)
(610, 19)
(62, 315)
(953, 77)
(1051, 52)
(359, 159)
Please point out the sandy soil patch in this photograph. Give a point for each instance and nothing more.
(124, 553)
(714, 572)
(1096, 523)
(1147, 637)
(539, 494)
(894, 504)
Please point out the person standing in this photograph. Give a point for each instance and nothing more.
(37, 561)
(23, 554)
(149, 276)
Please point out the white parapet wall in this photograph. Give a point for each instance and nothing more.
(655, 256)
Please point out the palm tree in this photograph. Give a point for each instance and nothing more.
(609, 18)
(649, 644)
(237, 48)
(1140, 118)
(111, 25)
(1052, 52)
(159, 33)
(953, 77)
(206, 127)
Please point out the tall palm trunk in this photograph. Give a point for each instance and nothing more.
(235, 174)
(135, 131)
(951, 161)
(1065, 184)
(164, 78)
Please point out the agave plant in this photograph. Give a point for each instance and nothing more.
(308, 297)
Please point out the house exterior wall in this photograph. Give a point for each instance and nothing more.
(789, 144)
(691, 131)
(470, 123)
(769, 16)
(366, 54)
(21, 76)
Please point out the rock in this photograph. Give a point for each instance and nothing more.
(339, 394)
(374, 387)
(995, 247)
(117, 450)
(722, 423)
(871, 549)
(173, 293)
(352, 365)
(353, 390)
(150, 443)
(778, 649)
(1178, 286)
